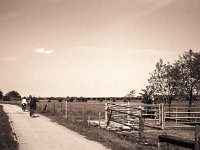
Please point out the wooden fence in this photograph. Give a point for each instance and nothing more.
(129, 115)
(156, 116)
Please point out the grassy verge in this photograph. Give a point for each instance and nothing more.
(7, 141)
(110, 139)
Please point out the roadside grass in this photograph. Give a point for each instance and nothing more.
(110, 139)
(7, 140)
(77, 121)
(77, 115)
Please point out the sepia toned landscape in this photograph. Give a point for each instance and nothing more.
(99, 74)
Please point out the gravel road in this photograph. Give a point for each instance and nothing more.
(40, 133)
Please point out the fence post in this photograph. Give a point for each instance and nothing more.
(162, 116)
(61, 108)
(99, 119)
(141, 129)
(88, 119)
(83, 113)
(159, 114)
(65, 109)
(128, 113)
(197, 138)
(54, 105)
(176, 116)
(106, 113)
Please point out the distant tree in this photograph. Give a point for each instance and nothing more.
(131, 93)
(146, 95)
(12, 95)
(1, 95)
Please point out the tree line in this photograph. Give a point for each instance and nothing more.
(11, 95)
(174, 81)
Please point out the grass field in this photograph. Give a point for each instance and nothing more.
(75, 110)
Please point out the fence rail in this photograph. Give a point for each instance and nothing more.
(156, 116)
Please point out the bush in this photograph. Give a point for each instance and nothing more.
(12, 95)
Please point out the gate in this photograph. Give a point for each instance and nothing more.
(181, 116)
(155, 115)
(129, 114)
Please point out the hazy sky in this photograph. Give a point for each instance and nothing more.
(91, 47)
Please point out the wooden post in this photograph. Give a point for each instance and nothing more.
(141, 130)
(99, 118)
(50, 106)
(88, 119)
(176, 116)
(61, 108)
(70, 112)
(65, 109)
(159, 111)
(197, 138)
(83, 112)
(162, 116)
(47, 107)
(54, 105)
(106, 113)
(128, 113)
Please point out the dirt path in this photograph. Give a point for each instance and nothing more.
(40, 133)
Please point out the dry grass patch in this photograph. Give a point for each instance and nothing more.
(110, 139)
(7, 140)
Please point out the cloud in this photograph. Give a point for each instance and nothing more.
(43, 51)
(10, 59)
(9, 16)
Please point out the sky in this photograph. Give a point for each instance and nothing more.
(91, 48)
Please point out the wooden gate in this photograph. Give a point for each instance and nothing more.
(155, 116)
(129, 114)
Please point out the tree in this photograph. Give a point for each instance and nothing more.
(147, 94)
(163, 81)
(12, 95)
(189, 64)
(131, 93)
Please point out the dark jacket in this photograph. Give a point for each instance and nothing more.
(33, 103)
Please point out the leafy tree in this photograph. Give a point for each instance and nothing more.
(12, 95)
(163, 81)
(189, 64)
(147, 94)
(182, 78)
(131, 93)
